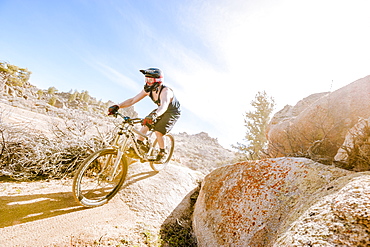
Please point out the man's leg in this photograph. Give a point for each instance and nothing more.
(160, 139)
(143, 130)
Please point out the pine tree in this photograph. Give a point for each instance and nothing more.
(52, 90)
(14, 75)
(40, 93)
(72, 97)
(52, 100)
(256, 121)
(85, 96)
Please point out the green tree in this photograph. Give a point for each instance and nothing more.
(40, 93)
(72, 97)
(13, 74)
(85, 96)
(52, 90)
(256, 121)
(52, 100)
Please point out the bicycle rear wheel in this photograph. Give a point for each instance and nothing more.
(169, 145)
(94, 183)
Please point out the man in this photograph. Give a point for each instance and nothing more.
(165, 116)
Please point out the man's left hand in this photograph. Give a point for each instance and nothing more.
(113, 109)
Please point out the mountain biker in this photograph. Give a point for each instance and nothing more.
(161, 119)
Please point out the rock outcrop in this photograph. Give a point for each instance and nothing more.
(355, 151)
(290, 112)
(253, 203)
(317, 127)
(339, 219)
(156, 195)
(203, 153)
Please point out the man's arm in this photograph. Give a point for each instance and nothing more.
(131, 101)
(166, 97)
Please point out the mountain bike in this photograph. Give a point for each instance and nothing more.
(102, 174)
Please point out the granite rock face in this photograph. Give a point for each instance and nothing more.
(354, 154)
(338, 219)
(253, 203)
(316, 127)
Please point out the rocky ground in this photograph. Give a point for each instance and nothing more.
(44, 213)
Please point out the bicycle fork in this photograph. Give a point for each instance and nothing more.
(115, 166)
(119, 157)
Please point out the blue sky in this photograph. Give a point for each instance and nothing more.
(215, 54)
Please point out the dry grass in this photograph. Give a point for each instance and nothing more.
(26, 154)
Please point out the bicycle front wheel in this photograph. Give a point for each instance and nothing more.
(169, 145)
(97, 180)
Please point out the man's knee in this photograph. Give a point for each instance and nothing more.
(158, 133)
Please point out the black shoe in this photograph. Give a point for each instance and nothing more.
(160, 155)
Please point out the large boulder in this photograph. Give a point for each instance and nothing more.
(252, 203)
(317, 126)
(338, 219)
(290, 112)
(157, 194)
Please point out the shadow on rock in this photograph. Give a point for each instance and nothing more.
(137, 177)
(176, 230)
(20, 209)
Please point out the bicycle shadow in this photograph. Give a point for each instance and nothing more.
(20, 209)
(16, 210)
(137, 171)
(131, 179)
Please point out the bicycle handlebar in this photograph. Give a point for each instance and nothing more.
(127, 119)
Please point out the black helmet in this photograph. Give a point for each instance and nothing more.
(152, 72)
(153, 78)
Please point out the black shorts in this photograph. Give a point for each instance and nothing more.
(165, 122)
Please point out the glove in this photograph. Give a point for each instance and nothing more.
(113, 109)
(150, 119)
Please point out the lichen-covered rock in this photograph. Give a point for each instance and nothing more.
(250, 203)
(317, 129)
(339, 219)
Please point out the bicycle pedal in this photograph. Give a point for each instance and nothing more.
(152, 158)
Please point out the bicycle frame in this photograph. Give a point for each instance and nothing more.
(128, 129)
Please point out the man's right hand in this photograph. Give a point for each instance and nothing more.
(150, 119)
(113, 109)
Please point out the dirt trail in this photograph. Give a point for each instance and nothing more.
(45, 214)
